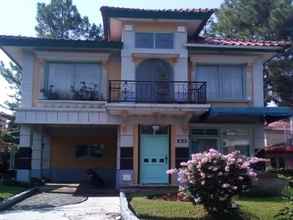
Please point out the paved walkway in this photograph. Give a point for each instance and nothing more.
(94, 208)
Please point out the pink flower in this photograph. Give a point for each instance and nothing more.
(225, 185)
(252, 174)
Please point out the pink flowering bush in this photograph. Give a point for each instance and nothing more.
(212, 179)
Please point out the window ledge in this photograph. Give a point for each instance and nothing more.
(45, 103)
(69, 101)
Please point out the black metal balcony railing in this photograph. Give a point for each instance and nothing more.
(157, 91)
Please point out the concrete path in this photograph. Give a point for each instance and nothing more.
(94, 208)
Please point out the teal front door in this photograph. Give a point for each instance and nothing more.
(154, 158)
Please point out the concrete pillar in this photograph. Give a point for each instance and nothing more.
(125, 140)
(27, 80)
(23, 175)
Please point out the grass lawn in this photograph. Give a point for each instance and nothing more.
(253, 208)
(7, 191)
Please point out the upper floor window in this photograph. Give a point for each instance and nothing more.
(154, 40)
(79, 81)
(223, 81)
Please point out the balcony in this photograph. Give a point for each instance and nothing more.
(163, 92)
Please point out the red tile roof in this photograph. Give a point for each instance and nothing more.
(181, 10)
(239, 42)
(279, 125)
(279, 148)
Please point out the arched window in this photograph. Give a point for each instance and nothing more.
(154, 81)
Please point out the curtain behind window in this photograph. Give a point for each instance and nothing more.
(223, 81)
(63, 76)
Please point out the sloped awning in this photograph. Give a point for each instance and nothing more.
(267, 113)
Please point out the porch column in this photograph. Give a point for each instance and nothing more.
(40, 153)
(179, 146)
(36, 152)
(24, 147)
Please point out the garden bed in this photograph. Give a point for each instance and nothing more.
(253, 208)
(7, 191)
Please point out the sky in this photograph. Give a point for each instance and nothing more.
(18, 17)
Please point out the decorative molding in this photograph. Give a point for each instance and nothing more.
(72, 56)
(138, 57)
(151, 109)
(128, 27)
(222, 59)
(71, 104)
(66, 116)
(181, 29)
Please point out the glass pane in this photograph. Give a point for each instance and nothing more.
(204, 144)
(164, 40)
(96, 150)
(144, 40)
(235, 132)
(232, 81)
(60, 79)
(212, 132)
(154, 129)
(209, 74)
(81, 151)
(88, 80)
(126, 152)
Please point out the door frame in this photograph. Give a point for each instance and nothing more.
(139, 151)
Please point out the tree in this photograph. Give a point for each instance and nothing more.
(254, 19)
(12, 76)
(60, 19)
(262, 20)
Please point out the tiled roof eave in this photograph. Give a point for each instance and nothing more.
(232, 47)
(34, 42)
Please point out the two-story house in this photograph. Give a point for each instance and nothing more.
(140, 101)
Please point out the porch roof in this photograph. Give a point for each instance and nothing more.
(267, 113)
(39, 42)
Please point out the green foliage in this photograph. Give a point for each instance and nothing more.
(12, 76)
(60, 19)
(258, 208)
(7, 191)
(279, 79)
(287, 212)
(254, 19)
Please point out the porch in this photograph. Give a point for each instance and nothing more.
(69, 153)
